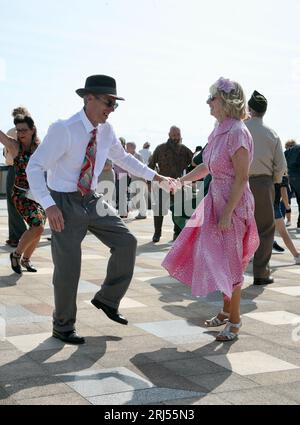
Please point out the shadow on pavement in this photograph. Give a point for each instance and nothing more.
(49, 372)
(202, 375)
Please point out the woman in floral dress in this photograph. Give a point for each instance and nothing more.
(32, 213)
(218, 241)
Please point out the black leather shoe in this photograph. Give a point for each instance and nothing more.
(277, 247)
(28, 266)
(70, 337)
(263, 281)
(155, 238)
(12, 243)
(110, 312)
(15, 263)
(140, 217)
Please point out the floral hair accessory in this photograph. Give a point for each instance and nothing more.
(225, 85)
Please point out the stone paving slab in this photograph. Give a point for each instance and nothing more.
(256, 396)
(90, 383)
(58, 399)
(251, 362)
(165, 356)
(146, 396)
(42, 386)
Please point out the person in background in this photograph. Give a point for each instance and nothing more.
(32, 213)
(199, 190)
(267, 168)
(145, 152)
(214, 248)
(107, 182)
(287, 212)
(198, 149)
(122, 182)
(137, 186)
(292, 156)
(16, 225)
(170, 159)
(281, 193)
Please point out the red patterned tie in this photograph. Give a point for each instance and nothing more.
(87, 169)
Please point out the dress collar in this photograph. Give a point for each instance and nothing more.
(224, 126)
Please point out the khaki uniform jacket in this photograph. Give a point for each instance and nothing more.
(268, 156)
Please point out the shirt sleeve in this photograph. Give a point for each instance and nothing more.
(239, 138)
(125, 160)
(153, 159)
(189, 156)
(53, 147)
(279, 166)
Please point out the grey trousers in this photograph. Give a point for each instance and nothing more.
(16, 225)
(263, 191)
(80, 215)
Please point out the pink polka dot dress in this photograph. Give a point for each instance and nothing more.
(204, 257)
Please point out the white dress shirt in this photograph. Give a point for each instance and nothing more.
(145, 154)
(62, 153)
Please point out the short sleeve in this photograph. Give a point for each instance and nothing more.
(240, 138)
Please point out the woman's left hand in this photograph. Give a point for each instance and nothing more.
(225, 222)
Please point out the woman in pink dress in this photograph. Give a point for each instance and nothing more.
(214, 249)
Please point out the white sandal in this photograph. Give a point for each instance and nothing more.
(215, 321)
(226, 334)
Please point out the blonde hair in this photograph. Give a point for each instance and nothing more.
(290, 143)
(234, 102)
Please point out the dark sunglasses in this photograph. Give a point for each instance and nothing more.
(211, 98)
(109, 103)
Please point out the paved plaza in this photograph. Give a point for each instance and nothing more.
(165, 356)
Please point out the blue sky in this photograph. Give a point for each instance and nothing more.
(164, 54)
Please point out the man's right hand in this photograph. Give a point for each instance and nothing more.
(56, 219)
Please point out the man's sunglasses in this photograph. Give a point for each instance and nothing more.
(109, 103)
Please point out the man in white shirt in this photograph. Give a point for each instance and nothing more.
(72, 210)
(145, 152)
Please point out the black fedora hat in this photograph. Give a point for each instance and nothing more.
(100, 84)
